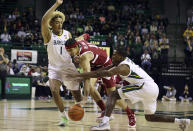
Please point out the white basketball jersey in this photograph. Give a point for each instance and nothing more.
(137, 75)
(58, 57)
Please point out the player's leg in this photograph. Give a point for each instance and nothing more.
(55, 90)
(150, 105)
(77, 95)
(110, 104)
(183, 123)
(96, 96)
(110, 86)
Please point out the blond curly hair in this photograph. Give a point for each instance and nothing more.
(56, 14)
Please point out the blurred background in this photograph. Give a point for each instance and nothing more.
(161, 28)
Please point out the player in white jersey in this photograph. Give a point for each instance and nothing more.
(141, 88)
(59, 59)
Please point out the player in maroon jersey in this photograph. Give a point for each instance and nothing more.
(93, 58)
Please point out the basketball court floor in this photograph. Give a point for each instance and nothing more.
(41, 115)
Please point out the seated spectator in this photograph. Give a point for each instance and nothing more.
(144, 30)
(21, 33)
(146, 61)
(42, 89)
(12, 17)
(5, 37)
(36, 72)
(170, 95)
(161, 28)
(9, 69)
(121, 41)
(153, 28)
(15, 68)
(88, 29)
(185, 97)
(147, 47)
(23, 71)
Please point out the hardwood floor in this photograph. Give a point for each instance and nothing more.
(41, 115)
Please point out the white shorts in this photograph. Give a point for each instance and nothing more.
(147, 93)
(59, 74)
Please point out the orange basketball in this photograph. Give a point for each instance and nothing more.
(76, 112)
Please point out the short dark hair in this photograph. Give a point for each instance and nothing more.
(70, 42)
(122, 51)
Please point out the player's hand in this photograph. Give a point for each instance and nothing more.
(59, 2)
(76, 59)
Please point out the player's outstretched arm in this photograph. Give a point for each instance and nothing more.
(44, 23)
(121, 70)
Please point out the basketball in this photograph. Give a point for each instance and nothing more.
(76, 112)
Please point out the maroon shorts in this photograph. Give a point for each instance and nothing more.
(108, 82)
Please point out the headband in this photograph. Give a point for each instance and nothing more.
(71, 46)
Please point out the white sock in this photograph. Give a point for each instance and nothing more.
(63, 114)
(177, 120)
(105, 119)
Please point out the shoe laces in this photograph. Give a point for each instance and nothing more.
(132, 118)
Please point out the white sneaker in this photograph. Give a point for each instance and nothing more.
(99, 119)
(63, 121)
(184, 123)
(101, 126)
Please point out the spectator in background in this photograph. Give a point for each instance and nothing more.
(188, 52)
(185, 96)
(3, 69)
(164, 46)
(5, 37)
(170, 95)
(146, 61)
(42, 89)
(12, 17)
(188, 33)
(110, 43)
(137, 50)
(147, 47)
(23, 71)
(21, 33)
(88, 28)
(190, 20)
(155, 53)
(153, 28)
(36, 72)
(144, 30)
(9, 69)
(121, 41)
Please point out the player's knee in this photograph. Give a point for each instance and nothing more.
(113, 94)
(55, 92)
(149, 117)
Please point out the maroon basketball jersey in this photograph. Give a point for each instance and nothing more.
(100, 56)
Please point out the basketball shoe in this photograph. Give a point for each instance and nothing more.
(64, 119)
(99, 119)
(183, 123)
(132, 120)
(101, 126)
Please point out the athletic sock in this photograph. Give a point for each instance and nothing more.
(129, 111)
(105, 119)
(63, 114)
(101, 105)
(177, 120)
